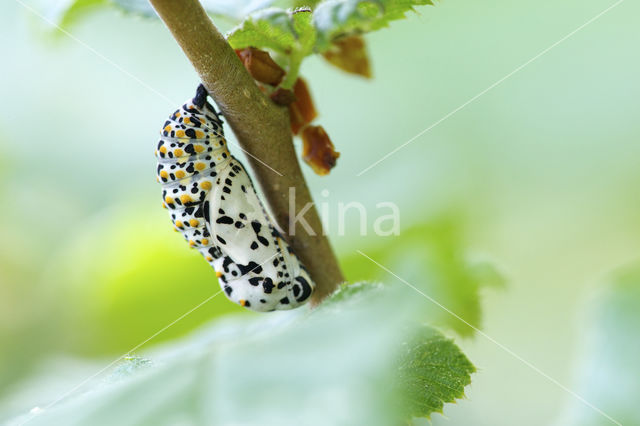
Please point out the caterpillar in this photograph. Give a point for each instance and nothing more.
(213, 203)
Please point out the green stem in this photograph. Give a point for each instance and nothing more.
(295, 60)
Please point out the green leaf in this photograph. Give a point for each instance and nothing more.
(334, 18)
(288, 33)
(356, 356)
(609, 369)
(430, 257)
(431, 372)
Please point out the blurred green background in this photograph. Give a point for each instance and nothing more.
(540, 175)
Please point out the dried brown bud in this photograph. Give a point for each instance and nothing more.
(260, 65)
(302, 111)
(282, 96)
(295, 119)
(349, 54)
(318, 150)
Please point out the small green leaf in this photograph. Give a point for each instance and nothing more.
(432, 371)
(293, 35)
(334, 18)
(430, 257)
(271, 28)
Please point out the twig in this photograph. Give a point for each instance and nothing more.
(262, 129)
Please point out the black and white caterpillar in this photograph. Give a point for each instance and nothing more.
(213, 203)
